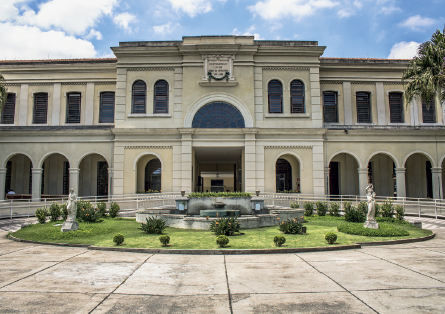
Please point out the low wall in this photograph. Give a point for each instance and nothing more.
(195, 204)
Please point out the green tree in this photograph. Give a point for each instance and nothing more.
(425, 77)
(3, 92)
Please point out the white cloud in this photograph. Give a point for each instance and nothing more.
(8, 10)
(30, 42)
(249, 32)
(124, 19)
(74, 17)
(345, 12)
(278, 9)
(165, 29)
(94, 34)
(192, 7)
(417, 23)
(404, 50)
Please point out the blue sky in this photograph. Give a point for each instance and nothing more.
(53, 29)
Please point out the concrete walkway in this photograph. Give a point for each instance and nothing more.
(408, 278)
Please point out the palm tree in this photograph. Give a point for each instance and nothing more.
(425, 76)
(3, 92)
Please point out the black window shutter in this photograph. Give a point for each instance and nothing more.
(73, 108)
(396, 107)
(106, 110)
(275, 96)
(40, 108)
(139, 97)
(161, 97)
(297, 97)
(330, 108)
(429, 114)
(363, 107)
(9, 110)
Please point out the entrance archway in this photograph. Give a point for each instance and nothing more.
(287, 174)
(93, 176)
(418, 177)
(343, 175)
(55, 175)
(382, 174)
(149, 174)
(18, 178)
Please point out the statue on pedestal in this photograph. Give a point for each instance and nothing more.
(71, 224)
(370, 217)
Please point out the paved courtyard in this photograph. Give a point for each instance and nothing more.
(408, 278)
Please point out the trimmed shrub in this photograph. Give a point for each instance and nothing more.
(279, 240)
(41, 214)
(54, 212)
(334, 209)
(114, 210)
(392, 220)
(308, 209)
(363, 207)
(352, 214)
(102, 206)
(164, 239)
(82, 205)
(153, 225)
(294, 205)
(385, 230)
(64, 211)
(222, 240)
(387, 208)
(291, 226)
(330, 237)
(89, 214)
(322, 208)
(378, 211)
(225, 226)
(118, 238)
(400, 212)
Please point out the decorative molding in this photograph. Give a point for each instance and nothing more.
(152, 69)
(74, 83)
(363, 83)
(331, 82)
(288, 147)
(12, 84)
(41, 84)
(148, 147)
(286, 68)
(392, 83)
(105, 83)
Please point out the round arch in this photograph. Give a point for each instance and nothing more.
(90, 153)
(220, 97)
(136, 160)
(347, 152)
(306, 88)
(13, 154)
(431, 159)
(283, 84)
(288, 153)
(394, 159)
(42, 160)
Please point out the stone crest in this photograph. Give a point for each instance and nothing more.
(218, 67)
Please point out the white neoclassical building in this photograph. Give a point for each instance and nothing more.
(217, 113)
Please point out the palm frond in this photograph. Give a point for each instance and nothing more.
(3, 92)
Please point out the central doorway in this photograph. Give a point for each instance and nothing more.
(217, 169)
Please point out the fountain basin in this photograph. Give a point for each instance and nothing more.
(219, 213)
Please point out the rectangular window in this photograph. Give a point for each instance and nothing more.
(396, 107)
(40, 108)
(73, 108)
(106, 110)
(363, 100)
(9, 109)
(330, 107)
(297, 96)
(429, 114)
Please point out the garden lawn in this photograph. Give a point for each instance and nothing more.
(101, 234)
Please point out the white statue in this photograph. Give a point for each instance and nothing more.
(370, 217)
(71, 224)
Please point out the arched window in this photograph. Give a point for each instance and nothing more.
(297, 97)
(153, 175)
(218, 115)
(160, 103)
(283, 175)
(275, 96)
(139, 91)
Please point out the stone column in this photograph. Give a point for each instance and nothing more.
(400, 181)
(110, 182)
(326, 176)
(362, 180)
(23, 105)
(55, 114)
(2, 183)
(437, 182)
(347, 102)
(89, 104)
(74, 180)
(36, 183)
(381, 108)
(249, 161)
(186, 167)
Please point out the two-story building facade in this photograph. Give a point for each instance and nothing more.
(217, 113)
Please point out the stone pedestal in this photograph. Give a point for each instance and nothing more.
(371, 224)
(70, 226)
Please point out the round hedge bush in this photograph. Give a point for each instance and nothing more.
(164, 239)
(331, 237)
(279, 240)
(118, 238)
(385, 230)
(222, 240)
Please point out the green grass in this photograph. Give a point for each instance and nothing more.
(101, 234)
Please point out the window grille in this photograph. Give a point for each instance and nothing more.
(218, 115)
(429, 114)
(106, 110)
(73, 108)
(297, 97)
(283, 175)
(363, 107)
(396, 107)
(275, 96)
(40, 108)
(160, 104)
(9, 109)
(138, 97)
(330, 107)
(102, 178)
(66, 178)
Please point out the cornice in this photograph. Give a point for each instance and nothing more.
(288, 147)
(152, 69)
(148, 147)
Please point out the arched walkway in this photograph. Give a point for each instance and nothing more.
(18, 179)
(148, 174)
(287, 174)
(418, 177)
(343, 175)
(382, 174)
(55, 175)
(93, 176)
